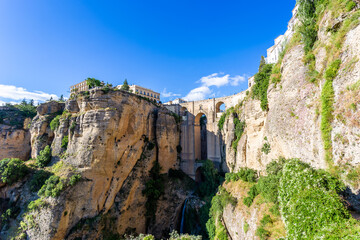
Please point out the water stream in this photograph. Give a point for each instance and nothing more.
(183, 217)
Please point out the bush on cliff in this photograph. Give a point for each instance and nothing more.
(44, 157)
(38, 179)
(55, 123)
(154, 188)
(12, 170)
(311, 206)
(261, 86)
(52, 187)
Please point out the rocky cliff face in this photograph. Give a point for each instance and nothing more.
(113, 141)
(292, 125)
(14, 134)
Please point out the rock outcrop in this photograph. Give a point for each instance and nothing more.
(113, 141)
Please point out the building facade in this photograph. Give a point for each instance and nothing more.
(273, 53)
(176, 101)
(79, 87)
(145, 92)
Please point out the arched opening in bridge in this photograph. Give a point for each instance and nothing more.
(200, 136)
(220, 108)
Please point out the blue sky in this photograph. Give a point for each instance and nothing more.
(194, 49)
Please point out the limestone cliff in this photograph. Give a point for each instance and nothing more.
(114, 138)
(14, 134)
(292, 124)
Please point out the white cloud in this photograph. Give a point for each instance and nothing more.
(234, 81)
(169, 94)
(215, 79)
(19, 93)
(199, 93)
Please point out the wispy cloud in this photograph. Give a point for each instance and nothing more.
(19, 93)
(215, 79)
(166, 94)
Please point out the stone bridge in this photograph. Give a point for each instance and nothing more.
(198, 142)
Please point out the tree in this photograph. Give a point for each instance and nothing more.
(61, 99)
(92, 82)
(262, 63)
(125, 86)
(44, 157)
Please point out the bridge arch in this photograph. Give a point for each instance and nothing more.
(200, 133)
(220, 107)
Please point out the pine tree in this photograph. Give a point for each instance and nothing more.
(61, 99)
(262, 63)
(125, 86)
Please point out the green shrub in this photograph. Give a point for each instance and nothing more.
(209, 187)
(266, 148)
(218, 203)
(239, 130)
(64, 142)
(222, 121)
(253, 192)
(55, 123)
(246, 227)
(311, 206)
(38, 179)
(332, 70)
(350, 5)
(308, 27)
(154, 188)
(12, 170)
(244, 174)
(52, 187)
(262, 233)
(35, 205)
(74, 179)
(259, 90)
(327, 102)
(44, 157)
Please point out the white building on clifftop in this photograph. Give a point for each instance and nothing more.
(274, 52)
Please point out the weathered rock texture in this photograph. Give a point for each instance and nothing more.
(14, 134)
(114, 140)
(292, 124)
(41, 133)
(14, 143)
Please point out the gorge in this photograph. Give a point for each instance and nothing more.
(281, 161)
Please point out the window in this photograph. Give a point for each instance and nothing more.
(151, 95)
(148, 94)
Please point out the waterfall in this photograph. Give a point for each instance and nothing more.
(183, 218)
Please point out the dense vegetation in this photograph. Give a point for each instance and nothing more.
(308, 200)
(16, 114)
(12, 170)
(239, 130)
(52, 187)
(215, 228)
(154, 188)
(311, 206)
(327, 101)
(44, 157)
(262, 79)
